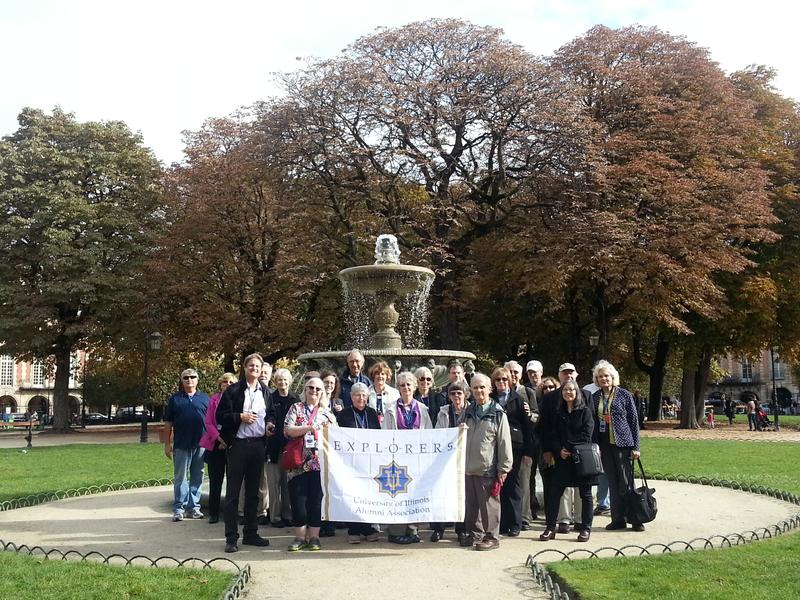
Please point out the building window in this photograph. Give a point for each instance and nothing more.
(747, 370)
(780, 370)
(37, 373)
(6, 370)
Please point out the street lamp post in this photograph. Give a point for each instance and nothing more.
(594, 342)
(152, 342)
(775, 406)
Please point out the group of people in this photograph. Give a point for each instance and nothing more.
(512, 429)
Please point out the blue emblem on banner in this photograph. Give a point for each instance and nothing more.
(393, 479)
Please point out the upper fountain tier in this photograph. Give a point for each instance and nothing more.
(395, 278)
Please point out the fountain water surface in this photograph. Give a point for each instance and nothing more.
(375, 289)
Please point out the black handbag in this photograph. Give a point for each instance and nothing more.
(587, 460)
(640, 503)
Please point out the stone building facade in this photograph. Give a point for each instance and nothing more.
(746, 377)
(27, 386)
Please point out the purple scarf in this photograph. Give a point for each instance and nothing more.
(402, 422)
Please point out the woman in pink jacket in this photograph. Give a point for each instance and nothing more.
(215, 449)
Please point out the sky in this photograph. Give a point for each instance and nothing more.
(165, 66)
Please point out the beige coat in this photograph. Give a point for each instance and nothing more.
(390, 416)
(488, 442)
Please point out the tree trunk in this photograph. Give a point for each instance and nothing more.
(701, 379)
(655, 371)
(61, 416)
(688, 412)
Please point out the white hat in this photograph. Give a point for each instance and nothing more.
(534, 365)
(567, 367)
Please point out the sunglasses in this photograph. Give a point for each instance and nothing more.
(548, 387)
(426, 378)
(501, 378)
(311, 388)
(187, 377)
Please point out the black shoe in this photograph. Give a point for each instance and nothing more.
(547, 535)
(577, 527)
(638, 527)
(401, 539)
(327, 533)
(263, 520)
(231, 547)
(213, 519)
(465, 540)
(601, 511)
(279, 524)
(436, 536)
(563, 528)
(513, 532)
(614, 526)
(525, 526)
(256, 540)
(583, 536)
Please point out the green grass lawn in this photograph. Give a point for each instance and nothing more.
(768, 570)
(761, 570)
(771, 464)
(30, 578)
(51, 468)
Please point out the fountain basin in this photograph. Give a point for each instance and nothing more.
(373, 279)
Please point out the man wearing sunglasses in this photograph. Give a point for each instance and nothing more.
(184, 425)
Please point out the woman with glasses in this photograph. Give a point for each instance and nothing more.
(425, 392)
(359, 416)
(306, 418)
(381, 394)
(574, 424)
(215, 447)
(405, 413)
(522, 445)
(452, 414)
(549, 384)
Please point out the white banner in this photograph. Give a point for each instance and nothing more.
(394, 476)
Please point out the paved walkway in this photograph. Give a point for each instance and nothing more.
(138, 522)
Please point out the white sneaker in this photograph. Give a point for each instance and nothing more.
(177, 516)
(196, 514)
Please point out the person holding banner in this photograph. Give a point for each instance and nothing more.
(452, 415)
(359, 416)
(489, 458)
(405, 413)
(304, 420)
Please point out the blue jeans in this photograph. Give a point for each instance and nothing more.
(603, 495)
(187, 494)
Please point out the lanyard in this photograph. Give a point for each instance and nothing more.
(251, 395)
(408, 417)
(361, 419)
(379, 402)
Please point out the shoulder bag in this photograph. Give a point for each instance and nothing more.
(640, 503)
(587, 460)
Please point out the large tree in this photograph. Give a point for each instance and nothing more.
(680, 198)
(78, 205)
(443, 130)
(238, 266)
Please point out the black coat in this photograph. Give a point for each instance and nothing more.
(547, 418)
(277, 407)
(571, 428)
(230, 409)
(347, 418)
(522, 434)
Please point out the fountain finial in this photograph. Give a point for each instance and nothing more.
(387, 252)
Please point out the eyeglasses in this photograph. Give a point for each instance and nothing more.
(426, 378)
(187, 377)
(313, 389)
(501, 378)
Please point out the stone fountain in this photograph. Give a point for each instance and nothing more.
(382, 285)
